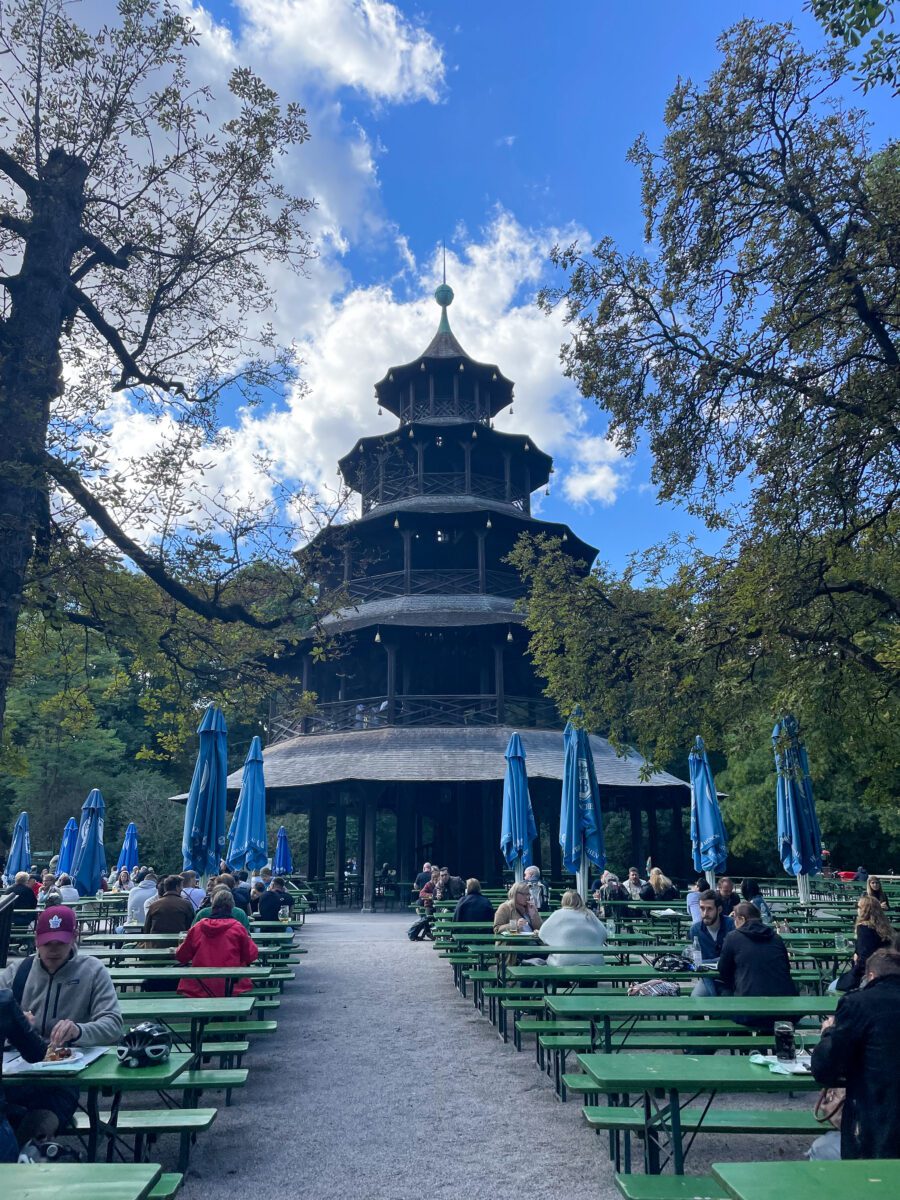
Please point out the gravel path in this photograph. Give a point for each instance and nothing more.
(383, 1083)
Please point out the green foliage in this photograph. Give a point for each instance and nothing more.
(853, 21)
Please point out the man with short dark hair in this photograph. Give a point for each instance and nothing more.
(190, 889)
(25, 899)
(241, 892)
(860, 1050)
(713, 926)
(728, 895)
(274, 900)
(754, 962)
(171, 912)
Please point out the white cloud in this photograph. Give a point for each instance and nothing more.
(508, 140)
(597, 473)
(367, 45)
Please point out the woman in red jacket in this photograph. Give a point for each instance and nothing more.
(217, 941)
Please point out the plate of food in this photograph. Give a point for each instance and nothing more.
(60, 1056)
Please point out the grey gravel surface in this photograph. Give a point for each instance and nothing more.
(382, 1082)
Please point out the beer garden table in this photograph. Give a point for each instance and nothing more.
(198, 1010)
(124, 977)
(662, 1079)
(602, 1008)
(78, 1181)
(105, 1074)
(863, 1179)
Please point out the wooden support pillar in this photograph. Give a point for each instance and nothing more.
(490, 837)
(679, 864)
(528, 490)
(368, 860)
(381, 481)
(340, 849)
(482, 563)
(407, 535)
(304, 721)
(321, 840)
(420, 467)
(407, 868)
(347, 564)
(391, 681)
(507, 475)
(312, 852)
(637, 836)
(653, 836)
(467, 458)
(499, 686)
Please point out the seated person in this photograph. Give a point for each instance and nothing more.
(658, 887)
(15, 1028)
(218, 940)
(170, 913)
(67, 889)
(712, 928)
(191, 891)
(754, 962)
(539, 893)
(574, 927)
(274, 900)
(25, 901)
(859, 1050)
(140, 896)
(751, 894)
(473, 906)
(611, 889)
(206, 910)
(873, 932)
(74, 1004)
(519, 907)
(729, 896)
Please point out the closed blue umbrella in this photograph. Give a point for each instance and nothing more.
(128, 855)
(708, 837)
(203, 841)
(580, 823)
(517, 828)
(799, 835)
(67, 847)
(283, 864)
(19, 858)
(90, 858)
(247, 844)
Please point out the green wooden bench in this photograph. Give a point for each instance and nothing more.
(670, 1187)
(166, 1187)
(225, 1029)
(204, 1079)
(146, 1125)
(738, 1120)
(229, 1054)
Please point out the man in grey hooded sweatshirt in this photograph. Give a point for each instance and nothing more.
(72, 1002)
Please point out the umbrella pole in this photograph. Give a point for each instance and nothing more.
(803, 888)
(581, 877)
(519, 870)
(711, 880)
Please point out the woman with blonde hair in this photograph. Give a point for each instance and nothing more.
(574, 927)
(873, 932)
(876, 891)
(659, 887)
(519, 907)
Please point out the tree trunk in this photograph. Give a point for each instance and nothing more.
(31, 378)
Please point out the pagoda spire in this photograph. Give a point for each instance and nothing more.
(444, 343)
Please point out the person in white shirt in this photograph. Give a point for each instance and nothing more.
(67, 891)
(573, 927)
(634, 883)
(139, 897)
(191, 891)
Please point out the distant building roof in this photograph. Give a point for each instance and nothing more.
(438, 754)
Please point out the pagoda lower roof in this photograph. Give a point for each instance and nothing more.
(431, 611)
(442, 754)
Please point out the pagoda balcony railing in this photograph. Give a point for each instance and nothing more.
(434, 583)
(378, 712)
(394, 487)
(441, 407)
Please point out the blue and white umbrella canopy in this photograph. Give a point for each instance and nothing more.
(517, 828)
(708, 837)
(580, 820)
(128, 855)
(19, 858)
(90, 857)
(283, 864)
(67, 847)
(203, 840)
(799, 835)
(247, 844)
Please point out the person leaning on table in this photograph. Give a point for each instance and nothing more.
(74, 1004)
(860, 1051)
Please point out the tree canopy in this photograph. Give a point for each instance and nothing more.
(140, 220)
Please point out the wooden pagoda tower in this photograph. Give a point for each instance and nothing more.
(432, 676)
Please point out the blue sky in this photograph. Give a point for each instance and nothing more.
(499, 127)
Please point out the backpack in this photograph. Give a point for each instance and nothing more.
(21, 978)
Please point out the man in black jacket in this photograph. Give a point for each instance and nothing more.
(754, 962)
(473, 906)
(860, 1050)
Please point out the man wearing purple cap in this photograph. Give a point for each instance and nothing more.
(71, 1001)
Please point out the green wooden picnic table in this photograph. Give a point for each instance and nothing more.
(863, 1179)
(106, 1075)
(124, 977)
(602, 1008)
(552, 977)
(78, 1181)
(161, 955)
(199, 1010)
(662, 1079)
(277, 936)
